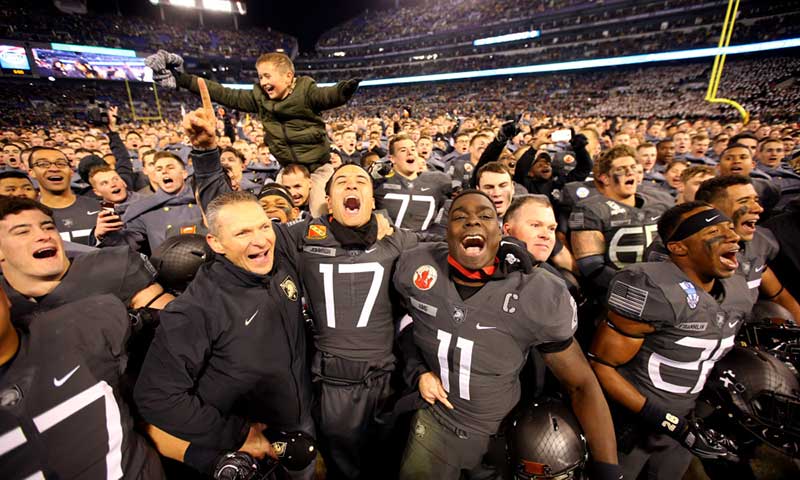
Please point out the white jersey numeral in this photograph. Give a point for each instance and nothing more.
(464, 362)
(615, 248)
(45, 421)
(711, 351)
(326, 269)
(406, 199)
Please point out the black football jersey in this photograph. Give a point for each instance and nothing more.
(116, 270)
(61, 413)
(461, 171)
(754, 257)
(478, 346)
(693, 329)
(413, 204)
(75, 223)
(349, 289)
(627, 230)
(569, 196)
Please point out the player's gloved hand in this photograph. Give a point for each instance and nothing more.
(164, 65)
(702, 442)
(507, 131)
(578, 141)
(349, 87)
(514, 255)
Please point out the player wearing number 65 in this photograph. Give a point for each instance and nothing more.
(478, 306)
(667, 324)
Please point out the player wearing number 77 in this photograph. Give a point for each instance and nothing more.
(667, 324)
(478, 307)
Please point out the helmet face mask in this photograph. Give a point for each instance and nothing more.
(757, 393)
(545, 440)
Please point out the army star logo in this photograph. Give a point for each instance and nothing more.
(425, 277)
(289, 289)
(459, 315)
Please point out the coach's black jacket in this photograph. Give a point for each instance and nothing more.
(229, 351)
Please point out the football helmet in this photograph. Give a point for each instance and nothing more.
(757, 392)
(545, 440)
(178, 259)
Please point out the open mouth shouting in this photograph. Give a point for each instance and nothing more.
(352, 205)
(45, 252)
(748, 225)
(728, 257)
(260, 258)
(56, 178)
(473, 245)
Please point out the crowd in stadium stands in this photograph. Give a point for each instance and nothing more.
(648, 91)
(139, 33)
(624, 40)
(374, 33)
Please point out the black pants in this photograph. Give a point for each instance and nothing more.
(350, 394)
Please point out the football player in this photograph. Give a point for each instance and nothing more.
(613, 231)
(37, 275)
(411, 199)
(667, 323)
(736, 196)
(61, 408)
(471, 299)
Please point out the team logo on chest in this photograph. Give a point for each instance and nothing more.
(289, 288)
(720, 319)
(692, 298)
(425, 277)
(459, 314)
(616, 209)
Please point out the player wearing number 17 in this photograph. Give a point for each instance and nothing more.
(346, 268)
(477, 310)
(667, 324)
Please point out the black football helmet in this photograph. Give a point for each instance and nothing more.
(178, 259)
(545, 440)
(758, 393)
(781, 341)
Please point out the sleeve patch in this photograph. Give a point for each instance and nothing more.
(576, 220)
(628, 300)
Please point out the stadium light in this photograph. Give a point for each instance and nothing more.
(574, 65)
(511, 37)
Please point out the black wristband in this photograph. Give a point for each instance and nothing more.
(604, 471)
(660, 419)
(201, 458)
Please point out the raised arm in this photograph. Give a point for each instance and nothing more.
(242, 100)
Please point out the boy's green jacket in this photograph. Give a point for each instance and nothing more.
(293, 127)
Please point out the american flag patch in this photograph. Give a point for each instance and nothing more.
(628, 300)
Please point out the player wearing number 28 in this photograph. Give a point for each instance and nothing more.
(476, 315)
(667, 324)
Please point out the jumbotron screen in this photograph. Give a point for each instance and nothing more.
(99, 66)
(14, 60)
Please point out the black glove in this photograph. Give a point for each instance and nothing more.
(604, 471)
(349, 87)
(507, 131)
(702, 442)
(514, 255)
(578, 141)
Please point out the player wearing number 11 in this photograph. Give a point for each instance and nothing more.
(667, 324)
(476, 314)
